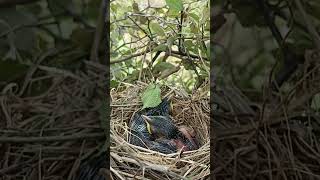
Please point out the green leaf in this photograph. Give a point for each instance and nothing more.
(161, 66)
(151, 96)
(175, 4)
(170, 42)
(155, 27)
(114, 7)
(133, 76)
(161, 47)
(135, 7)
(190, 45)
(195, 17)
(205, 15)
(173, 13)
(187, 65)
(194, 28)
(114, 83)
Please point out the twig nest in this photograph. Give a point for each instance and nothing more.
(130, 161)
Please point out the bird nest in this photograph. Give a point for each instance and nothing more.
(130, 161)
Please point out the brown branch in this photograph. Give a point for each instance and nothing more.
(174, 53)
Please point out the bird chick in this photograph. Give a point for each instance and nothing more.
(164, 146)
(161, 126)
(139, 133)
(186, 139)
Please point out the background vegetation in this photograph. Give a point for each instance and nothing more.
(52, 84)
(141, 28)
(266, 62)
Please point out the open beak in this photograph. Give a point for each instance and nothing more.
(147, 120)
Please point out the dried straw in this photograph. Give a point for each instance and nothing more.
(129, 161)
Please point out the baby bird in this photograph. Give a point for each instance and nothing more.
(140, 135)
(154, 129)
(163, 127)
(144, 130)
(187, 138)
(145, 135)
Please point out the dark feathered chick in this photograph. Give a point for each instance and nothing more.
(140, 136)
(161, 126)
(139, 132)
(164, 146)
(147, 129)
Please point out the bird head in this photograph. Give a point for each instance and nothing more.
(160, 126)
(187, 137)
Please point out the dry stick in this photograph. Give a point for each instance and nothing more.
(148, 165)
(76, 163)
(50, 138)
(312, 30)
(133, 176)
(116, 173)
(40, 157)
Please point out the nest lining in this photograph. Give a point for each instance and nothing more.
(130, 161)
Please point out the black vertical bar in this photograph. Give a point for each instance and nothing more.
(212, 89)
(107, 57)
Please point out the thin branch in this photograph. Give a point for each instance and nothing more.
(131, 56)
(191, 55)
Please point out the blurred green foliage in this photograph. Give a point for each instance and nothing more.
(137, 26)
(30, 32)
(245, 52)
